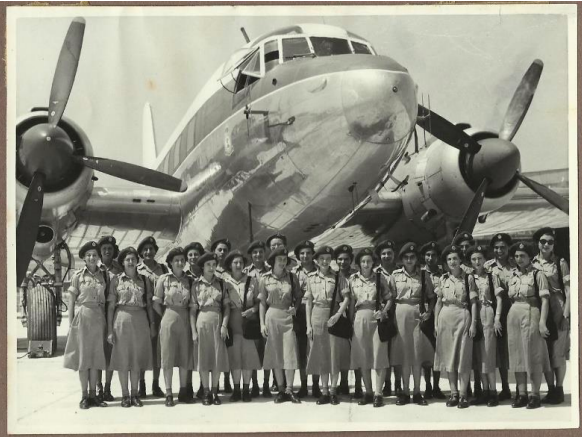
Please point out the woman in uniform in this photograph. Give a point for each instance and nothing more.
(526, 326)
(243, 356)
(454, 326)
(489, 307)
(130, 325)
(557, 272)
(209, 314)
(193, 252)
(280, 296)
(368, 352)
(410, 348)
(173, 293)
(84, 351)
(328, 296)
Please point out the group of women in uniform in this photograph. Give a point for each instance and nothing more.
(218, 312)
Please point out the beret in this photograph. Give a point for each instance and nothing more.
(477, 249)
(221, 241)
(194, 246)
(174, 252)
(230, 258)
(280, 251)
(147, 240)
(127, 251)
(88, 246)
(543, 231)
(323, 250)
(431, 245)
(344, 248)
(506, 238)
(386, 244)
(409, 247)
(364, 252)
(451, 249)
(208, 256)
(257, 244)
(462, 237)
(523, 247)
(303, 245)
(108, 239)
(277, 235)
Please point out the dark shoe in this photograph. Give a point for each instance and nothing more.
(207, 399)
(534, 402)
(293, 398)
(559, 398)
(184, 397)
(255, 392)
(157, 391)
(266, 391)
(504, 395)
(437, 393)
(334, 400)
(463, 402)
(358, 393)
(107, 396)
(387, 390)
(302, 391)
(100, 394)
(235, 396)
(200, 392)
(227, 386)
(366, 399)
(419, 400)
(403, 400)
(478, 391)
(136, 401)
(170, 401)
(480, 400)
(316, 391)
(378, 401)
(125, 402)
(84, 404)
(190, 391)
(274, 387)
(247, 396)
(493, 399)
(142, 389)
(96, 402)
(428, 391)
(549, 398)
(324, 399)
(216, 400)
(453, 401)
(280, 398)
(519, 401)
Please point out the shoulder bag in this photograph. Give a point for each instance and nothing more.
(387, 327)
(343, 327)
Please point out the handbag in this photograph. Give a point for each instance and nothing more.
(426, 326)
(386, 328)
(550, 322)
(229, 340)
(479, 332)
(343, 327)
(251, 327)
(300, 318)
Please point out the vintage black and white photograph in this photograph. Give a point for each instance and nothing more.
(292, 218)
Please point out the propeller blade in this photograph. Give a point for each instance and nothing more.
(472, 212)
(446, 131)
(28, 223)
(550, 195)
(133, 173)
(66, 69)
(521, 100)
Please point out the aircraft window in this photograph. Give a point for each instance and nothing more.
(295, 48)
(330, 46)
(250, 72)
(271, 55)
(361, 48)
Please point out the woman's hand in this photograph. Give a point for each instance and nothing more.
(310, 332)
(292, 311)
(436, 327)
(195, 336)
(544, 332)
(333, 320)
(248, 313)
(223, 332)
(564, 324)
(379, 315)
(264, 331)
(473, 330)
(110, 338)
(152, 330)
(498, 327)
(425, 316)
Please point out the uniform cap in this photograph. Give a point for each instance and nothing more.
(280, 251)
(208, 256)
(323, 250)
(463, 236)
(108, 239)
(386, 244)
(451, 249)
(221, 241)
(543, 231)
(477, 249)
(89, 245)
(344, 248)
(173, 253)
(431, 245)
(147, 240)
(123, 254)
(364, 252)
(194, 246)
(522, 247)
(409, 247)
(277, 235)
(303, 245)
(257, 244)
(502, 236)
(230, 258)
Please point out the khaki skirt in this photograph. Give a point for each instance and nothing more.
(454, 347)
(176, 339)
(85, 347)
(243, 354)
(132, 350)
(281, 347)
(328, 353)
(367, 351)
(212, 355)
(485, 350)
(410, 347)
(558, 349)
(527, 348)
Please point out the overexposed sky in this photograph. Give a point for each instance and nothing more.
(469, 64)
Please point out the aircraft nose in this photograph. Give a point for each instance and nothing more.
(379, 105)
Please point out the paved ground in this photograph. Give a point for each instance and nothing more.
(46, 400)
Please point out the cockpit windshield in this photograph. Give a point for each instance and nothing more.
(324, 46)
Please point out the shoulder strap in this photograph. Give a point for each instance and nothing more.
(106, 279)
(292, 286)
(492, 291)
(221, 296)
(536, 286)
(422, 290)
(247, 285)
(164, 268)
(334, 294)
(561, 277)
(145, 289)
(378, 290)
(468, 298)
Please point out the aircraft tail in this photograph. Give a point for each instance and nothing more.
(148, 137)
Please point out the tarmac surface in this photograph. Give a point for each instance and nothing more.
(44, 398)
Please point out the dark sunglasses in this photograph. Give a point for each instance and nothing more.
(544, 241)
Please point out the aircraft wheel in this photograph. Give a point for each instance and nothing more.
(42, 315)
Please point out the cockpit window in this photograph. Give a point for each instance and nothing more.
(361, 48)
(271, 55)
(295, 48)
(330, 46)
(250, 72)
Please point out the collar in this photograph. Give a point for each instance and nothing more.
(85, 269)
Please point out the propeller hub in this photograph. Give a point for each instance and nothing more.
(47, 149)
(498, 160)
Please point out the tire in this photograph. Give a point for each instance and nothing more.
(42, 315)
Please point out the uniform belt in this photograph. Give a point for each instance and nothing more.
(366, 306)
(322, 305)
(91, 304)
(130, 307)
(533, 301)
(279, 307)
(412, 301)
(485, 303)
(456, 304)
(176, 307)
(210, 310)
